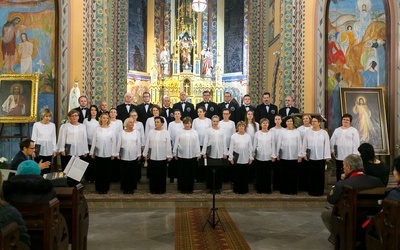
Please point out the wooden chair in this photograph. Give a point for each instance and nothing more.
(348, 214)
(383, 231)
(45, 224)
(9, 238)
(74, 207)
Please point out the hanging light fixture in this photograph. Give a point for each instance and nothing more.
(199, 5)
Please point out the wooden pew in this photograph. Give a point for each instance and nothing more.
(46, 225)
(348, 214)
(9, 238)
(383, 231)
(74, 207)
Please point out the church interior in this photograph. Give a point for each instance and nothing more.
(330, 56)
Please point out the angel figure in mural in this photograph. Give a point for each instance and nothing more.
(25, 49)
(15, 104)
(10, 32)
(363, 18)
(164, 60)
(74, 94)
(207, 62)
(363, 120)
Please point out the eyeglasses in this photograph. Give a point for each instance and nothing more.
(32, 148)
(74, 115)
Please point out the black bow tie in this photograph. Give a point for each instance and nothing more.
(267, 105)
(205, 102)
(83, 108)
(183, 102)
(146, 104)
(227, 103)
(127, 104)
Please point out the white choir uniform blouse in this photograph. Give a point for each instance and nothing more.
(104, 142)
(216, 139)
(174, 129)
(347, 141)
(76, 136)
(201, 126)
(303, 129)
(229, 128)
(187, 144)
(264, 145)
(117, 127)
(242, 145)
(277, 133)
(90, 128)
(150, 125)
(129, 145)
(252, 131)
(45, 136)
(289, 144)
(138, 126)
(318, 143)
(59, 137)
(159, 142)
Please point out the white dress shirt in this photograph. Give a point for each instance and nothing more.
(174, 129)
(303, 129)
(251, 130)
(318, 143)
(76, 136)
(150, 125)
(104, 142)
(129, 145)
(229, 128)
(347, 141)
(90, 128)
(45, 136)
(242, 145)
(187, 144)
(216, 139)
(159, 142)
(201, 126)
(138, 126)
(277, 133)
(289, 144)
(264, 145)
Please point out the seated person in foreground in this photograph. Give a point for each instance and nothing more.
(372, 165)
(9, 214)
(28, 185)
(394, 194)
(354, 176)
(27, 152)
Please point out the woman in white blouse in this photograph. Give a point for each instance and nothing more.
(316, 151)
(129, 148)
(91, 123)
(303, 166)
(174, 128)
(240, 156)
(229, 129)
(187, 152)
(251, 128)
(138, 125)
(158, 151)
(264, 153)
(277, 130)
(155, 111)
(103, 151)
(215, 139)
(73, 138)
(117, 127)
(201, 124)
(345, 140)
(290, 154)
(44, 134)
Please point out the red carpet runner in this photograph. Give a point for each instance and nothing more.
(189, 235)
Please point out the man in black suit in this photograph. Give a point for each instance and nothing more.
(267, 110)
(83, 110)
(144, 109)
(232, 106)
(186, 108)
(167, 112)
(245, 107)
(355, 177)
(211, 107)
(103, 108)
(126, 107)
(288, 109)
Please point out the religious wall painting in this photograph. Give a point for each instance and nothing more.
(137, 87)
(28, 43)
(356, 50)
(367, 106)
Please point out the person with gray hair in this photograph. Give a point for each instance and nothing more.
(355, 177)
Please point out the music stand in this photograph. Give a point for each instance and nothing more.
(213, 211)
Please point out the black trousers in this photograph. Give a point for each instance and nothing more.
(263, 176)
(240, 178)
(103, 174)
(316, 177)
(186, 172)
(158, 176)
(129, 175)
(289, 176)
(339, 169)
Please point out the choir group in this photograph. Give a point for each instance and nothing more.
(242, 144)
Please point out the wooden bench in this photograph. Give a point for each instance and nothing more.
(46, 225)
(74, 207)
(383, 231)
(9, 238)
(348, 214)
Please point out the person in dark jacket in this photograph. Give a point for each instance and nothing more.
(28, 185)
(372, 165)
(394, 194)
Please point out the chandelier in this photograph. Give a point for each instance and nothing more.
(199, 5)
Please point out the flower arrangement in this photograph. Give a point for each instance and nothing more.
(3, 162)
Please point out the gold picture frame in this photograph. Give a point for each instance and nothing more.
(367, 106)
(18, 98)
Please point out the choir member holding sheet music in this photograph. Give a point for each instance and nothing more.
(44, 134)
(73, 138)
(187, 152)
(103, 151)
(129, 148)
(240, 156)
(214, 140)
(91, 123)
(201, 124)
(316, 152)
(264, 154)
(158, 151)
(303, 166)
